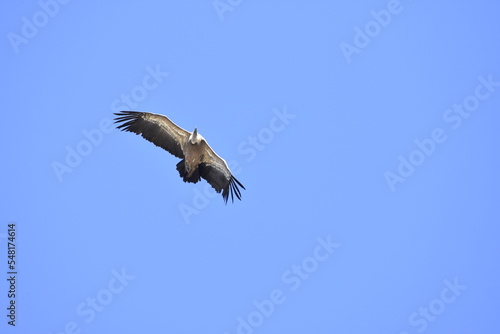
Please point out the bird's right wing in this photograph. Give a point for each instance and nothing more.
(216, 172)
(158, 129)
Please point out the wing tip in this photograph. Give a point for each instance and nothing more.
(232, 189)
(127, 118)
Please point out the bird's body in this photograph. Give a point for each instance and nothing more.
(198, 158)
(193, 152)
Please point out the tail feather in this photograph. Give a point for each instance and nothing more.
(181, 168)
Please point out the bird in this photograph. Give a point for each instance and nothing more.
(198, 158)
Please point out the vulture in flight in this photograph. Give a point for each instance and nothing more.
(198, 158)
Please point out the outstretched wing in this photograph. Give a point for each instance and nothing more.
(216, 172)
(158, 129)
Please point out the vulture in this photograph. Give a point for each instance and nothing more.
(198, 158)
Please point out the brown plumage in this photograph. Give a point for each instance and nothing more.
(198, 158)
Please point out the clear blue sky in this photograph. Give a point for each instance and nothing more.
(366, 135)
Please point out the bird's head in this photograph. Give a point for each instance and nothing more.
(195, 138)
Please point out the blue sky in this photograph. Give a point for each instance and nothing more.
(366, 135)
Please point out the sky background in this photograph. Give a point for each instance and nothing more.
(366, 134)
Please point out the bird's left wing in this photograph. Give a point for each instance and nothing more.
(158, 129)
